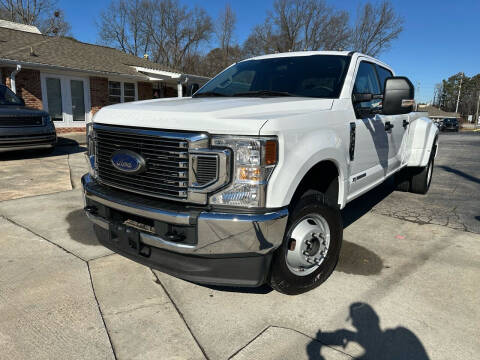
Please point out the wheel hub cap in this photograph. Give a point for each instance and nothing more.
(311, 239)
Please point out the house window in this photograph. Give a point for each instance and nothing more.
(114, 92)
(128, 92)
(119, 92)
(54, 96)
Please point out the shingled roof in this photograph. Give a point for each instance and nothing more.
(63, 52)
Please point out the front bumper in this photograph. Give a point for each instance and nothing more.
(222, 248)
(23, 138)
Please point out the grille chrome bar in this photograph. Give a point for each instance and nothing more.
(166, 156)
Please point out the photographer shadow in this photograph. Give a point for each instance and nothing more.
(398, 343)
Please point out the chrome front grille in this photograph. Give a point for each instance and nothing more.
(165, 154)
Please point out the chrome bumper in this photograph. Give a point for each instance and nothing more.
(218, 233)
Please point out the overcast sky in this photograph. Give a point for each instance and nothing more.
(440, 38)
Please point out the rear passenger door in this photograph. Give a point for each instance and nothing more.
(396, 127)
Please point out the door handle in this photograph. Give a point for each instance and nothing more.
(405, 123)
(388, 126)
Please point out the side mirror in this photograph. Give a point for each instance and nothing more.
(194, 88)
(398, 96)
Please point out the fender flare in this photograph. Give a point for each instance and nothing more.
(423, 133)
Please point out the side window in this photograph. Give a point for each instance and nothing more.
(367, 82)
(383, 74)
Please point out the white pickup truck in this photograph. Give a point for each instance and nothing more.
(242, 184)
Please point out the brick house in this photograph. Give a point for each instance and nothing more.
(72, 80)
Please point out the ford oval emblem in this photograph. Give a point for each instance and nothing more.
(128, 161)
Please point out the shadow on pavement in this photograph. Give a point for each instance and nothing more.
(262, 290)
(80, 228)
(358, 260)
(362, 205)
(38, 154)
(398, 343)
(461, 173)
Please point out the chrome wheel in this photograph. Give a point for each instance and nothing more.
(308, 244)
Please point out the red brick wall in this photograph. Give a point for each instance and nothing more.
(98, 93)
(145, 91)
(28, 85)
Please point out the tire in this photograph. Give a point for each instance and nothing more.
(422, 178)
(403, 180)
(312, 213)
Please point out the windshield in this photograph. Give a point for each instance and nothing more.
(319, 76)
(8, 97)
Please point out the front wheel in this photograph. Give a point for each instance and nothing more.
(311, 246)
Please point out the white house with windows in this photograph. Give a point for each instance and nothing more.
(72, 80)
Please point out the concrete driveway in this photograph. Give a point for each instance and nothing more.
(406, 286)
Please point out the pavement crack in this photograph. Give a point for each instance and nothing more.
(126, 311)
(102, 256)
(181, 315)
(70, 172)
(250, 341)
(101, 313)
(315, 339)
(42, 237)
(287, 328)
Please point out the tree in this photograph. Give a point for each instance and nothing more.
(225, 28)
(300, 25)
(176, 32)
(228, 51)
(122, 25)
(215, 60)
(376, 27)
(469, 94)
(40, 13)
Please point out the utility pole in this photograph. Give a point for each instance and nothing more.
(476, 121)
(459, 91)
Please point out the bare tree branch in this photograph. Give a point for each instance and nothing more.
(300, 25)
(40, 13)
(376, 27)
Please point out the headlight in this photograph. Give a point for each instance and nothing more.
(91, 151)
(254, 159)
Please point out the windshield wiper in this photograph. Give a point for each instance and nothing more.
(264, 93)
(209, 93)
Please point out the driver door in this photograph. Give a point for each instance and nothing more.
(370, 161)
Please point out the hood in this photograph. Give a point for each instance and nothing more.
(13, 110)
(214, 115)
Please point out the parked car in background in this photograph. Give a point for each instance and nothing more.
(449, 124)
(22, 128)
(243, 183)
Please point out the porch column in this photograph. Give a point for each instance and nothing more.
(179, 89)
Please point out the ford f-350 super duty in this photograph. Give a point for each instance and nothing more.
(242, 183)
